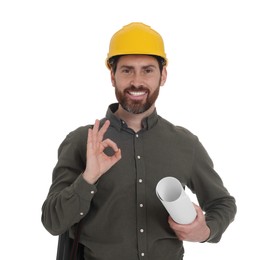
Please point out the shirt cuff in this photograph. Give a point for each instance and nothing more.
(85, 190)
(214, 232)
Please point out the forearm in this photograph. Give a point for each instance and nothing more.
(64, 208)
(219, 214)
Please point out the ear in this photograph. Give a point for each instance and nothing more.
(163, 76)
(112, 78)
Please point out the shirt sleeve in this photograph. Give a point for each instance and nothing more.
(215, 200)
(69, 197)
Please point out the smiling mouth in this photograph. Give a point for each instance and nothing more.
(137, 93)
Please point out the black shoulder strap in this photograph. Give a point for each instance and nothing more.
(75, 251)
(64, 246)
(68, 248)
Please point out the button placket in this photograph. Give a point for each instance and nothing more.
(141, 194)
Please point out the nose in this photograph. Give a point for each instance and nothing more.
(137, 80)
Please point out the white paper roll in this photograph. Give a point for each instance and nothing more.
(178, 204)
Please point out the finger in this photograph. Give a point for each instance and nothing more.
(199, 211)
(117, 156)
(109, 143)
(178, 230)
(178, 227)
(103, 130)
(117, 152)
(173, 224)
(95, 130)
(89, 138)
(90, 147)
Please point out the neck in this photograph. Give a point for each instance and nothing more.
(134, 121)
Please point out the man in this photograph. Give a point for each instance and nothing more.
(106, 174)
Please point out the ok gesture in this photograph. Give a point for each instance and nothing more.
(97, 162)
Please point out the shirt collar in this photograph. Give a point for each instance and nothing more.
(147, 122)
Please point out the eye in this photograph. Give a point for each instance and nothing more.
(126, 70)
(148, 70)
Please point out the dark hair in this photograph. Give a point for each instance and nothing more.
(114, 60)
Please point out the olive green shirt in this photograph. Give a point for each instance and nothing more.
(122, 218)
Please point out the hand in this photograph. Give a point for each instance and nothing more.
(97, 162)
(197, 231)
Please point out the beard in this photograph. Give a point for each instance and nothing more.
(136, 106)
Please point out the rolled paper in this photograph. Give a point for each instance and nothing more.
(177, 203)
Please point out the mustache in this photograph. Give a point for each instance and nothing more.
(139, 88)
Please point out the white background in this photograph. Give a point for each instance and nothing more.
(221, 76)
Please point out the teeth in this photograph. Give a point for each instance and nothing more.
(136, 93)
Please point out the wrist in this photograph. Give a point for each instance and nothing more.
(206, 233)
(88, 178)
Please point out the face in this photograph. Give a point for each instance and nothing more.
(137, 82)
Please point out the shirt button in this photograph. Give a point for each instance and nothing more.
(138, 157)
(141, 205)
(142, 254)
(81, 213)
(92, 192)
(141, 230)
(137, 135)
(140, 180)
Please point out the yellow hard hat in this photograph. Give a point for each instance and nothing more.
(136, 38)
